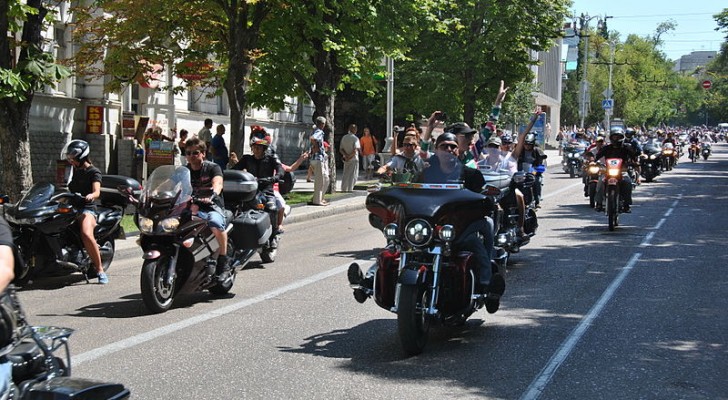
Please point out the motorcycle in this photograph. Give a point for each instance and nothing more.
(418, 275)
(594, 172)
(37, 373)
(179, 248)
(255, 224)
(705, 150)
(573, 159)
(612, 182)
(694, 152)
(46, 231)
(668, 156)
(650, 161)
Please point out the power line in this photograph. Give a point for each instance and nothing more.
(662, 15)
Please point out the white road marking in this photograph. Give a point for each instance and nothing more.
(177, 326)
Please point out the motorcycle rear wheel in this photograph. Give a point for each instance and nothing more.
(413, 324)
(156, 293)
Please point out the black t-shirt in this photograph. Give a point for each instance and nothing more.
(625, 152)
(202, 182)
(471, 178)
(267, 167)
(83, 179)
(6, 239)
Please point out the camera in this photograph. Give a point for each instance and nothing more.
(441, 116)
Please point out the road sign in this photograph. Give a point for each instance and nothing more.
(607, 104)
(707, 84)
(608, 93)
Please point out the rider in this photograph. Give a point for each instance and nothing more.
(86, 181)
(265, 166)
(7, 267)
(207, 185)
(532, 157)
(617, 149)
(631, 140)
(408, 160)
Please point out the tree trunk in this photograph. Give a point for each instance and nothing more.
(17, 172)
(469, 97)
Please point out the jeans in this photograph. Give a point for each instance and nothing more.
(482, 249)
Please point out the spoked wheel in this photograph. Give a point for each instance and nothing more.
(412, 321)
(612, 209)
(157, 293)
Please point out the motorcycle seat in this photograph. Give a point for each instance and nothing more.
(27, 360)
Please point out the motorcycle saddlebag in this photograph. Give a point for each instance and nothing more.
(110, 194)
(251, 229)
(67, 388)
(238, 187)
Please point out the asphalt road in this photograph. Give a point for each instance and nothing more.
(638, 313)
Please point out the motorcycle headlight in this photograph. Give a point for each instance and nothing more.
(653, 156)
(145, 224)
(574, 155)
(447, 232)
(614, 172)
(418, 232)
(390, 231)
(169, 224)
(594, 169)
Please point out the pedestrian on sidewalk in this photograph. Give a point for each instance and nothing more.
(368, 152)
(350, 149)
(317, 157)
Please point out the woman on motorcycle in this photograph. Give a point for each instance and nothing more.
(86, 181)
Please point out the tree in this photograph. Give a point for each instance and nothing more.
(216, 41)
(456, 64)
(19, 80)
(315, 47)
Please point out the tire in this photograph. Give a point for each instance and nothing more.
(612, 208)
(107, 250)
(412, 323)
(572, 173)
(705, 158)
(592, 195)
(157, 295)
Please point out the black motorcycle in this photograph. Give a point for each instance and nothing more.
(573, 159)
(46, 231)
(705, 150)
(37, 373)
(650, 161)
(419, 275)
(179, 248)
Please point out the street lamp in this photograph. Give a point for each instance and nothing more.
(601, 25)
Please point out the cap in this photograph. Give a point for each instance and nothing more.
(460, 128)
(494, 140)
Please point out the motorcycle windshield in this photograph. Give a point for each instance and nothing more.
(168, 184)
(38, 196)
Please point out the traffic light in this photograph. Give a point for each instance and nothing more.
(603, 29)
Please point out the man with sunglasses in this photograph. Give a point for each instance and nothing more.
(207, 186)
(407, 161)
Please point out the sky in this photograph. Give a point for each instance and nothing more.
(694, 19)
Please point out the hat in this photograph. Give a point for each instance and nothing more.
(445, 137)
(494, 140)
(460, 128)
(600, 138)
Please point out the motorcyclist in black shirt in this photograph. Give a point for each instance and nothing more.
(617, 149)
(631, 140)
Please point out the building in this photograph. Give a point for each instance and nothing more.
(690, 63)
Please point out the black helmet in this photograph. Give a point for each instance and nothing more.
(629, 132)
(77, 150)
(616, 135)
(530, 139)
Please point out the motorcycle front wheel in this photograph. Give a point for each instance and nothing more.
(412, 322)
(592, 194)
(612, 208)
(157, 294)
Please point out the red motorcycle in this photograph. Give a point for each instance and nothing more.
(420, 275)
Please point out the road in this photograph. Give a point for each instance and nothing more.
(588, 314)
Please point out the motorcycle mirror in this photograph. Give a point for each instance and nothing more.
(4, 199)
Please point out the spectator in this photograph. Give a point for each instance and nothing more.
(205, 135)
(318, 158)
(349, 149)
(369, 147)
(220, 153)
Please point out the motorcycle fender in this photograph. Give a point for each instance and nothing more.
(409, 277)
(612, 181)
(62, 388)
(151, 254)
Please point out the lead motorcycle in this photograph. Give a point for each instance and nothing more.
(419, 275)
(179, 248)
(612, 181)
(46, 232)
(37, 372)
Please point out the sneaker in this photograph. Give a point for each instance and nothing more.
(103, 278)
(495, 290)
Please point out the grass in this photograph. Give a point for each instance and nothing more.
(127, 222)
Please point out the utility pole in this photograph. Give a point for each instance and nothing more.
(608, 110)
(584, 83)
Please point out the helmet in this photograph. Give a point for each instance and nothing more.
(530, 139)
(260, 141)
(76, 150)
(258, 135)
(629, 132)
(506, 139)
(616, 135)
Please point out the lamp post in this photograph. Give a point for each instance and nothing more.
(584, 87)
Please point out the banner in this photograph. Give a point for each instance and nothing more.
(94, 119)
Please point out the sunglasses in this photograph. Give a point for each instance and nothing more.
(409, 145)
(447, 146)
(193, 153)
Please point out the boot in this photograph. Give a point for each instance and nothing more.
(222, 271)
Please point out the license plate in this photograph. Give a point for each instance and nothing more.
(612, 181)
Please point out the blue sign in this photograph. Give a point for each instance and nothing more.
(607, 103)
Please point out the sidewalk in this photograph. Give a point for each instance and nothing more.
(342, 203)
